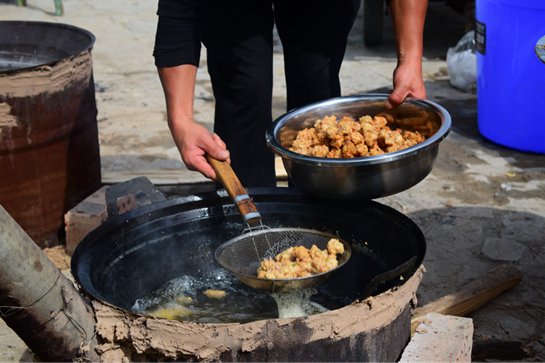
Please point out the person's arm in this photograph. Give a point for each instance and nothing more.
(408, 17)
(177, 52)
(193, 140)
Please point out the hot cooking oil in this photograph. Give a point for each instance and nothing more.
(207, 301)
(222, 300)
(294, 304)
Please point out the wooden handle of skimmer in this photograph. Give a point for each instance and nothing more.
(235, 190)
(472, 296)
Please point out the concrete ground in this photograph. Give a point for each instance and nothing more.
(482, 206)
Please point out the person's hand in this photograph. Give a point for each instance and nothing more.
(408, 81)
(194, 142)
(408, 17)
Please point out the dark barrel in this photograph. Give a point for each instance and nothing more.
(49, 151)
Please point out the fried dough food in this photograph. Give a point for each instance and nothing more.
(300, 261)
(215, 294)
(171, 312)
(348, 138)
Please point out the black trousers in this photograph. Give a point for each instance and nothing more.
(239, 41)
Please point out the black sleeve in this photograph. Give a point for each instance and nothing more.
(178, 38)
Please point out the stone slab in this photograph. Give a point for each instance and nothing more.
(440, 338)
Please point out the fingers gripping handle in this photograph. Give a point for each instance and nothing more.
(235, 190)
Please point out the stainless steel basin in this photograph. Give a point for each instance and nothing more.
(361, 178)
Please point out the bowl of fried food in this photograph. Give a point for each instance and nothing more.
(354, 148)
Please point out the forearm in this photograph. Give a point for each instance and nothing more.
(179, 88)
(192, 139)
(177, 52)
(408, 17)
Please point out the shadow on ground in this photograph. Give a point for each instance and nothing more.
(466, 242)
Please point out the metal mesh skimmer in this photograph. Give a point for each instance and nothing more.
(243, 255)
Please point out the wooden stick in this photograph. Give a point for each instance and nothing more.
(235, 190)
(39, 303)
(472, 296)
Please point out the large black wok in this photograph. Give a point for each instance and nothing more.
(133, 254)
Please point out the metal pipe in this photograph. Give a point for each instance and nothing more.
(39, 303)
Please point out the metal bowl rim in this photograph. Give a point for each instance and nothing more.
(288, 155)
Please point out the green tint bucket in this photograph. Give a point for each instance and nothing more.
(510, 77)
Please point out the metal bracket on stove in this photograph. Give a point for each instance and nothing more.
(133, 186)
(400, 271)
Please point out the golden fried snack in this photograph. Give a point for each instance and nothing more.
(305, 140)
(215, 294)
(184, 300)
(319, 151)
(348, 138)
(300, 262)
(326, 128)
(335, 247)
(171, 313)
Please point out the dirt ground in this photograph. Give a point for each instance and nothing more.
(482, 206)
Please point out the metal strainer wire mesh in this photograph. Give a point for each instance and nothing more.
(243, 255)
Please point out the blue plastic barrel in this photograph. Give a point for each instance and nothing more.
(510, 77)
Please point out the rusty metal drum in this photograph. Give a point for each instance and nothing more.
(49, 149)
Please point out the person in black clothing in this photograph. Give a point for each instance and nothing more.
(238, 36)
